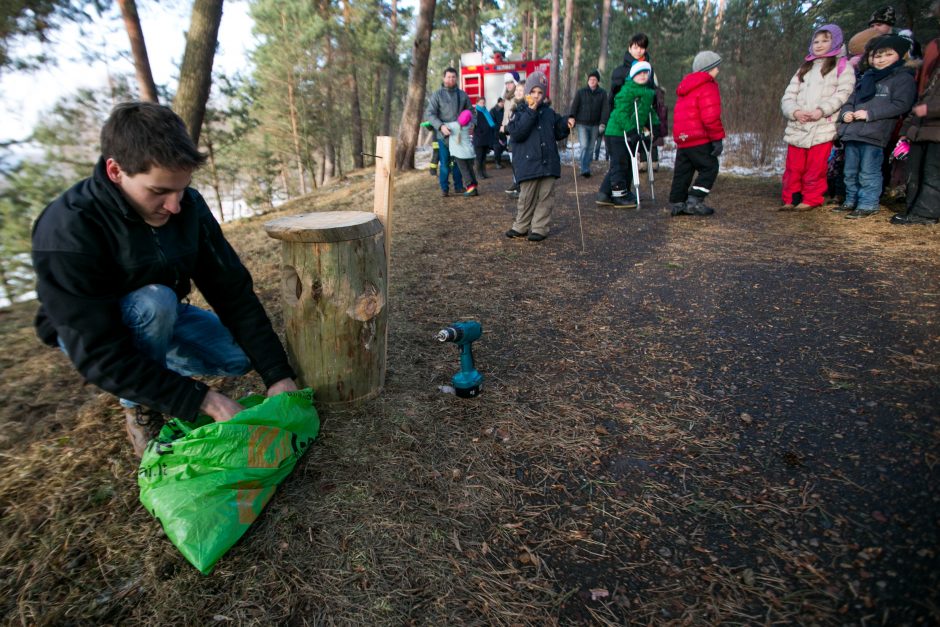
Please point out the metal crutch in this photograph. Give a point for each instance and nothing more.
(650, 176)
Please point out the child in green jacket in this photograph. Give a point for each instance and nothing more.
(633, 103)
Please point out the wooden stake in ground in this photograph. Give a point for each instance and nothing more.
(384, 201)
(577, 196)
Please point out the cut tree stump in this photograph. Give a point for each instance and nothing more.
(335, 291)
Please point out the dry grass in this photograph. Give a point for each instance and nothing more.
(657, 441)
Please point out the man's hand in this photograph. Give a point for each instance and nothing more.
(445, 131)
(219, 407)
(848, 116)
(601, 128)
(571, 123)
(861, 114)
(920, 110)
(284, 385)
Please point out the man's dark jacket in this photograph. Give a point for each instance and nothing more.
(588, 106)
(90, 248)
(534, 136)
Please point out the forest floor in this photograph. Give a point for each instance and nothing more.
(733, 419)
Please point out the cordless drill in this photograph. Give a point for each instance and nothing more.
(468, 382)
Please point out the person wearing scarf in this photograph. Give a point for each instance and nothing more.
(884, 93)
(811, 104)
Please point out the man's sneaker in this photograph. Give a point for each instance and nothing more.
(862, 213)
(656, 166)
(513, 190)
(471, 191)
(512, 233)
(911, 218)
(142, 425)
(445, 193)
(642, 167)
(536, 237)
(845, 207)
(586, 174)
(603, 200)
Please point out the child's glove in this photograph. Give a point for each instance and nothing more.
(901, 151)
(717, 148)
(633, 137)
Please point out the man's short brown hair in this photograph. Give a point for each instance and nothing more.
(140, 135)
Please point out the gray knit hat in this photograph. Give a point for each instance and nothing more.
(536, 79)
(705, 60)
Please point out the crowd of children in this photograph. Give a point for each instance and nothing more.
(857, 119)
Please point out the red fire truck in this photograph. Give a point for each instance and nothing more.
(485, 80)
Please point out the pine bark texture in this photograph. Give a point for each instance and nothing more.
(414, 103)
(605, 30)
(553, 63)
(196, 70)
(148, 89)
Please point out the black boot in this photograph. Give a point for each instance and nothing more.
(695, 206)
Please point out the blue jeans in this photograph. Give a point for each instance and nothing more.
(587, 137)
(444, 168)
(180, 337)
(862, 173)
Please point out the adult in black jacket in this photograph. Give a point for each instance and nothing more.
(114, 257)
(500, 146)
(587, 110)
(484, 135)
(638, 50)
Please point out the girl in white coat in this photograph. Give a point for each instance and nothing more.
(811, 106)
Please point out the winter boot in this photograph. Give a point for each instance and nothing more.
(695, 206)
(676, 208)
(142, 425)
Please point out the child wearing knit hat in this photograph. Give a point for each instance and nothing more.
(698, 133)
(535, 130)
(628, 124)
(884, 93)
(811, 105)
(461, 149)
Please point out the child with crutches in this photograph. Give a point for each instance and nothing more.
(633, 104)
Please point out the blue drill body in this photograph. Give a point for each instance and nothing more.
(468, 382)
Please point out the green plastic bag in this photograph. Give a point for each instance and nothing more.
(206, 482)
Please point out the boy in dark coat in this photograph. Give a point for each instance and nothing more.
(698, 133)
(884, 93)
(534, 130)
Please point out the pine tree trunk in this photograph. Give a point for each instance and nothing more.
(565, 84)
(535, 36)
(148, 89)
(705, 15)
(605, 31)
(392, 67)
(553, 63)
(356, 113)
(196, 69)
(526, 20)
(214, 171)
(575, 67)
(719, 19)
(414, 102)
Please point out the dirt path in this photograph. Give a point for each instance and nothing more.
(732, 419)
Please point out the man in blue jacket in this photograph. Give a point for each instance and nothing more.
(115, 257)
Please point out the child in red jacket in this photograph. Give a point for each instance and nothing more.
(698, 133)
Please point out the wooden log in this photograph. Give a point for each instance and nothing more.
(335, 290)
